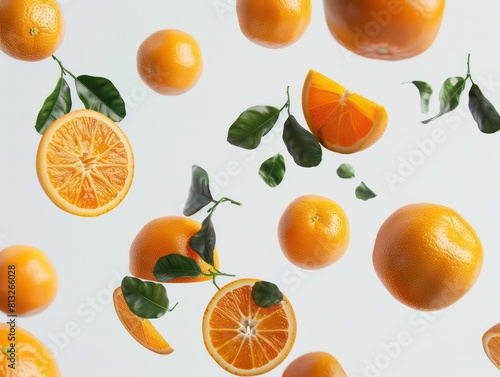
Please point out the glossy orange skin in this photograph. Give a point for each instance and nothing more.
(427, 256)
(36, 280)
(313, 232)
(385, 29)
(315, 364)
(30, 30)
(273, 23)
(170, 62)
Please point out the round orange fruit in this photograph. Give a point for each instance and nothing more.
(491, 344)
(314, 364)
(313, 232)
(163, 236)
(427, 256)
(385, 29)
(30, 30)
(29, 280)
(273, 23)
(169, 61)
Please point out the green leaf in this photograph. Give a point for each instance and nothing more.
(145, 299)
(99, 94)
(175, 266)
(252, 124)
(301, 144)
(203, 242)
(266, 294)
(363, 192)
(449, 96)
(199, 192)
(273, 170)
(345, 171)
(483, 111)
(425, 91)
(56, 105)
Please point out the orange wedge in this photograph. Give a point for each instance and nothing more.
(85, 163)
(491, 344)
(141, 329)
(243, 338)
(341, 121)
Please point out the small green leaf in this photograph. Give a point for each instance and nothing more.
(449, 96)
(266, 294)
(199, 192)
(273, 170)
(301, 144)
(363, 192)
(252, 124)
(203, 242)
(175, 266)
(99, 94)
(56, 105)
(145, 299)
(483, 111)
(425, 91)
(345, 171)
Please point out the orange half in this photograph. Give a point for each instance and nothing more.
(342, 121)
(141, 329)
(243, 338)
(85, 163)
(491, 344)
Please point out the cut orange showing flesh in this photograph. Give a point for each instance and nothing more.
(85, 163)
(141, 329)
(243, 338)
(341, 121)
(491, 344)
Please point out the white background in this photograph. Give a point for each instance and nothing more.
(343, 309)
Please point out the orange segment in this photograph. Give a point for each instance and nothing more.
(85, 163)
(341, 121)
(243, 338)
(141, 329)
(491, 344)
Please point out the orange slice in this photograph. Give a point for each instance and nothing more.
(243, 338)
(491, 344)
(141, 329)
(85, 163)
(341, 121)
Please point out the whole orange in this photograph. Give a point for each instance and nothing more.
(31, 357)
(163, 236)
(273, 23)
(313, 232)
(29, 280)
(315, 364)
(30, 29)
(169, 61)
(385, 29)
(427, 256)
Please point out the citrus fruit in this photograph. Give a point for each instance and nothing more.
(85, 163)
(315, 364)
(385, 29)
(491, 344)
(427, 256)
(243, 338)
(169, 61)
(31, 29)
(342, 121)
(273, 23)
(163, 236)
(141, 329)
(31, 357)
(313, 232)
(29, 280)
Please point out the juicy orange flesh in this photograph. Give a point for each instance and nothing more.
(87, 163)
(342, 118)
(494, 348)
(141, 329)
(244, 334)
